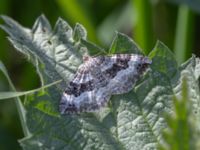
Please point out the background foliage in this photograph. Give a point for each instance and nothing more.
(176, 24)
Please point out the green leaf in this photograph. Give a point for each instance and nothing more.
(130, 121)
(123, 44)
(182, 131)
(79, 32)
(163, 60)
(93, 49)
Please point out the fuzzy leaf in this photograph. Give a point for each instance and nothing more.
(131, 121)
(123, 44)
(182, 124)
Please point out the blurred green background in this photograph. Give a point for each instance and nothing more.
(174, 22)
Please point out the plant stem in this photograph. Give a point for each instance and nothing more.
(21, 112)
(143, 33)
(184, 33)
(20, 107)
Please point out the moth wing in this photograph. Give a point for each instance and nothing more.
(123, 70)
(103, 76)
(83, 93)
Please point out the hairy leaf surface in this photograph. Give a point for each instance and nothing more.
(130, 121)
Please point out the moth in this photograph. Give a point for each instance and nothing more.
(98, 78)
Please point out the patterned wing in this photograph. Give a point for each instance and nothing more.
(99, 78)
(123, 70)
(84, 92)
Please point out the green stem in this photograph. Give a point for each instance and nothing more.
(143, 31)
(21, 112)
(20, 107)
(184, 33)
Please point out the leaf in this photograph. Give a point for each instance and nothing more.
(50, 51)
(131, 121)
(123, 44)
(182, 131)
(163, 60)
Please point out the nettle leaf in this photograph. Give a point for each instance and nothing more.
(54, 52)
(131, 121)
(124, 44)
